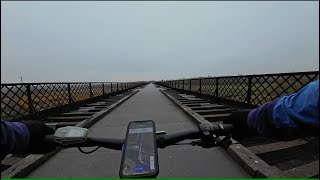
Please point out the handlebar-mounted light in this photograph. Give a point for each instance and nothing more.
(70, 135)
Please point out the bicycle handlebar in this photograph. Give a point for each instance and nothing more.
(163, 140)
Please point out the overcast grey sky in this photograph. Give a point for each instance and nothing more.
(128, 41)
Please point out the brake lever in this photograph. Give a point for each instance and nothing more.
(204, 144)
(225, 142)
(210, 136)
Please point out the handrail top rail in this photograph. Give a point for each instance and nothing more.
(252, 75)
(39, 83)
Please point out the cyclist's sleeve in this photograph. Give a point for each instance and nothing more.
(260, 119)
(298, 109)
(290, 111)
(14, 138)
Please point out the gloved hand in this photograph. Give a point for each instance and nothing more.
(239, 120)
(37, 130)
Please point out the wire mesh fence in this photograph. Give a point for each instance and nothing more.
(18, 100)
(251, 89)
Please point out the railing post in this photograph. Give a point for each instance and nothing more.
(69, 93)
(90, 88)
(200, 84)
(31, 109)
(248, 99)
(103, 89)
(182, 84)
(190, 85)
(217, 85)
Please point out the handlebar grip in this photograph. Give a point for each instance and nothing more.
(227, 128)
(49, 139)
(218, 129)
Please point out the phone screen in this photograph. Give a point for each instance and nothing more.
(140, 157)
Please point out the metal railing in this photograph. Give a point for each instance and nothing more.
(18, 100)
(250, 89)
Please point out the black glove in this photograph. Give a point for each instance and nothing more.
(37, 131)
(239, 120)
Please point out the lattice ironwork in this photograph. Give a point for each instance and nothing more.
(268, 88)
(208, 86)
(178, 84)
(195, 85)
(18, 100)
(251, 89)
(96, 89)
(187, 85)
(46, 96)
(107, 88)
(14, 101)
(80, 91)
(234, 88)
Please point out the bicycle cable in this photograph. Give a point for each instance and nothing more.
(88, 152)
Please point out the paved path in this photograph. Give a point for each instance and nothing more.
(174, 161)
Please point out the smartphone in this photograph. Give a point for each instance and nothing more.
(140, 155)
